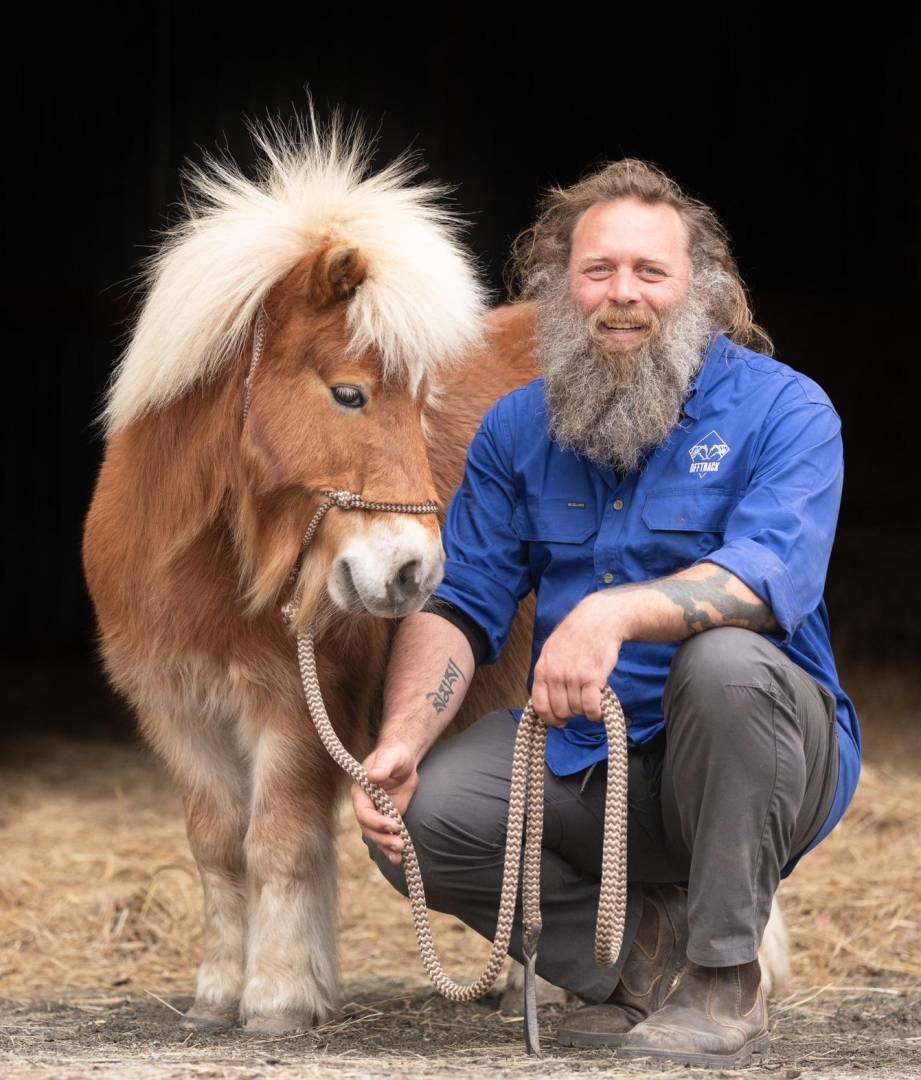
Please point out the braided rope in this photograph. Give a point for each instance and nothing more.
(526, 807)
(526, 815)
(258, 345)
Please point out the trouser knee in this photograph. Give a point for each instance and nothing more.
(393, 873)
(707, 674)
(457, 816)
(451, 851)
(417, 819)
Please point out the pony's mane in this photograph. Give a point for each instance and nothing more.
(419, 306)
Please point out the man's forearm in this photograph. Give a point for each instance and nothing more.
(579, 656)
(430, 668)
(699, 598)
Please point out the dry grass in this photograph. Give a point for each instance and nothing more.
(98, 889)
(854, 903)
(98, 892)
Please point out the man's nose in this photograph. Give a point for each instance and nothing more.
(623, 287)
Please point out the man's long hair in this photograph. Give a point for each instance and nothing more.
(540, 254)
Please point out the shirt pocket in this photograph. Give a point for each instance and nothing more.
(684, 526)
(559, 538)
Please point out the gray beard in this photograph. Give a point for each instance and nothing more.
(614, 407)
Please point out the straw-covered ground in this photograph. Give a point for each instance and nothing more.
(99, 935)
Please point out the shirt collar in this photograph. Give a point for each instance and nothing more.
(697, 391)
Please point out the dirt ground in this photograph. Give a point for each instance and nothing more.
(99, 934)
(386, 1029)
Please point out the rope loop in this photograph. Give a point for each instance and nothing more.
(345, 500)
(526, 808)
(525, 822)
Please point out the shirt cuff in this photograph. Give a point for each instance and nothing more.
(490, 605)
(763, 572)
(474, 633)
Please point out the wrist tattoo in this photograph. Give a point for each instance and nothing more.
(697, 598)
(440, 697)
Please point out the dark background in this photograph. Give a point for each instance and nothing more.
(807, 146)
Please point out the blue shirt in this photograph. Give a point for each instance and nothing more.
(750, 479)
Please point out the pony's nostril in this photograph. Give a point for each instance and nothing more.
(409, 573)
(405, 582)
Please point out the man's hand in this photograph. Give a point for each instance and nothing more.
(579, 656)
(577, 659)
(392, 767)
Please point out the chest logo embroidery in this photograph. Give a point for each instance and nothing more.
(707, 454)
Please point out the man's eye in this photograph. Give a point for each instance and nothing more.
(652, 270)
(349, 396)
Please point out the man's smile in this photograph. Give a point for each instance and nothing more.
(611, 322)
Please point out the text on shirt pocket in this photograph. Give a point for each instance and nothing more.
(556, 530)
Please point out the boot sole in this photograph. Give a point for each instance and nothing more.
(754, 1048)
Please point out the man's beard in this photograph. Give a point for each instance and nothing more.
(611, 401)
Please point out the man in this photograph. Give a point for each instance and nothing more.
(671, 495)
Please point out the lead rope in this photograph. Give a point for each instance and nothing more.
(526, 801)
(526, 816)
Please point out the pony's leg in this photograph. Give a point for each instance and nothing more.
(774, 953)
(292, 977)
(209, 772)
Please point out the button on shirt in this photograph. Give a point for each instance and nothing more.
(750, 479)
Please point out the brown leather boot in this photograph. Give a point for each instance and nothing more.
(713, 1017)
(656, 954)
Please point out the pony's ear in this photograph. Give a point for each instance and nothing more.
(336, 275)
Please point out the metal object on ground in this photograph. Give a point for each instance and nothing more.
(531, 1030)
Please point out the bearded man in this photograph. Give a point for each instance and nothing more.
(671, 495)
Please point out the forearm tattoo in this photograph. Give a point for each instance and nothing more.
(706, 603)
(440, 697)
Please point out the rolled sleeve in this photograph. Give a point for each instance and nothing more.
(486, 572)
(779, 537)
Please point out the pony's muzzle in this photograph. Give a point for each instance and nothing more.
(390, 570)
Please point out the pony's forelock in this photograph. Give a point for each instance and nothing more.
(419, 306)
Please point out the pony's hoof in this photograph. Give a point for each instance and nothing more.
(207, 1021)
(285, 1024)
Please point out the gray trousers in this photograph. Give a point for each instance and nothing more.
(740, 781)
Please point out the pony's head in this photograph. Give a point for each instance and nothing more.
(361, 293)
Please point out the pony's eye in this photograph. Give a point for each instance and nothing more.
(349, 396)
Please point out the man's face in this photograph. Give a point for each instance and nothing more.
(622, 330)
(628, 265)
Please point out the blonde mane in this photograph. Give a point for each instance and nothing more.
(419, 307)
